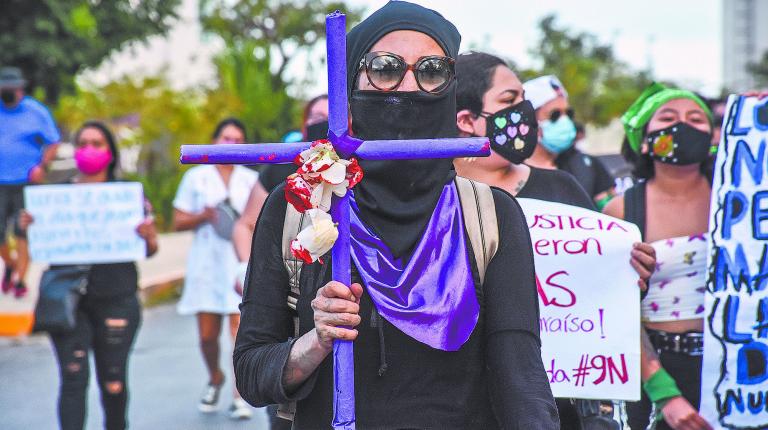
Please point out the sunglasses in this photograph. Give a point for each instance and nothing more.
(385, 71)
(556, 114)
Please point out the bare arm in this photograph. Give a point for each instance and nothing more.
(188, 221)
(649, 359)
(242, 233)
(336, 307)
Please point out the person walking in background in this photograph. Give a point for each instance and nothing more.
(109, 313)
(208, 201)
(557, 136)
(28, 138)
(314, 126)
(668, 140)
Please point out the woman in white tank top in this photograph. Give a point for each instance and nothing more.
(669, 135)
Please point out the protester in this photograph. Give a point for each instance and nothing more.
(668, 139)
(208, 201)
(488, 95)
(109, 313)
(28, 138)
(557, 136)
(314, 126)
(489, 377)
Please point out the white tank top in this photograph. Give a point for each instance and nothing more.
(677, 287)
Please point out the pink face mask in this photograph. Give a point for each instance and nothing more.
(91, 160)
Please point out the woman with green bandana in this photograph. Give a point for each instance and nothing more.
(668, 139)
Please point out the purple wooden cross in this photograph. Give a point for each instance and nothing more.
(346, 146)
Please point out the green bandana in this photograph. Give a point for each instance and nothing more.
(641, 111)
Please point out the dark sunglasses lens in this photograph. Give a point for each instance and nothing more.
(556, 114)
(385, 71)
(434, 74)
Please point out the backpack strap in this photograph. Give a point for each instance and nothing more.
(479, 212)
(293, 224)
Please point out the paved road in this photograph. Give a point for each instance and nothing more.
(165, 379)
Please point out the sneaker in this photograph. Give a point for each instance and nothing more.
(7, 285)
(209, 401)
(240, 410)
(19, 290)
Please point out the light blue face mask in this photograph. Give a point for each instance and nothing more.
(558, 136)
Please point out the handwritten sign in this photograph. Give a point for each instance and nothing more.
(734, 392)
(589, 301)
(85, 224)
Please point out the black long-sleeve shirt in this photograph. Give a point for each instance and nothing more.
(495, 380)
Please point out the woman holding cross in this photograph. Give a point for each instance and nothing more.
(434, 346)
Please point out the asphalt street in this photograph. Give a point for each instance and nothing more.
(166, 379)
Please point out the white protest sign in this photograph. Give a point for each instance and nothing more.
(734, 391)
(589, 301)
(85, 223)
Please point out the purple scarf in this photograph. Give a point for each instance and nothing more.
(431, 296)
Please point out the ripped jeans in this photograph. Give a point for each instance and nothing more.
(108, 327)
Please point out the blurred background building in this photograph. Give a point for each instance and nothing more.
(745, 41)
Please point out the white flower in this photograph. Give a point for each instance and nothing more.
(318, 238)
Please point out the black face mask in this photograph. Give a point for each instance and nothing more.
(513, 131)
(397, 198)
(8, 96)
(317, 131)
(679, 144)
(395, 115)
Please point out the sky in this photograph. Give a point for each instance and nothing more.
(680, 40)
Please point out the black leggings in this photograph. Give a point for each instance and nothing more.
(108, 326)
(686, 371)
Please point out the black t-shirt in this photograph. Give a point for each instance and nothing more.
(555, 186)
(495, 380)
(274, 174)
(588, 171)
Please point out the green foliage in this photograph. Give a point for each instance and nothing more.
(600, 87)
(149, 114)
(760, 70)
(53, 40)
(262, 37)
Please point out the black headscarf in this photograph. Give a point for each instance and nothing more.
(397, 198)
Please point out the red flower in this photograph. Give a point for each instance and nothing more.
(299, 252)
(298, 193)
(354, 173)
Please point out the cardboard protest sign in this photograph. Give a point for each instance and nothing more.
(734, 392)
(589, 300)
(85, 223)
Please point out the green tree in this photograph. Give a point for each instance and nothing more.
(53, 40)
(262, 38)
(147, 114)
(600, 87)
(760, 70)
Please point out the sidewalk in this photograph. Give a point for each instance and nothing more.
(168, 265)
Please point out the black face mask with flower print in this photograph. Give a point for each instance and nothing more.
(679, 144)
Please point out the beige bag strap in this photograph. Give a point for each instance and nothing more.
(479, 212)
(293, 224)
